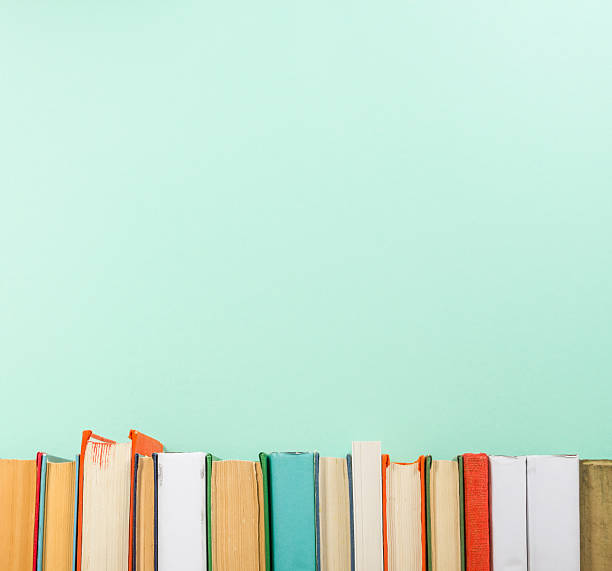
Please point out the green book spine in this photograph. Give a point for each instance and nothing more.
(263, 460)
(461, 510)
(209, 463)
(428, 510)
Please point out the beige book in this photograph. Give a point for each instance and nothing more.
(58, 534)
(106, 506)
(444, 510)
(404, 517)
(145, 515)
(595, 515)
(17, 506)
(237, 516)
(334, 515)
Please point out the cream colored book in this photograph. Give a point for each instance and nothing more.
(238, 534)
(367, 506)
(106, 506)
(334, 515)
(444, 510)
(58, 530)
(403, 516)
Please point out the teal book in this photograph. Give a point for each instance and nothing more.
(291, 478)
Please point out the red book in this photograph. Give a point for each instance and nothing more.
(476, 494)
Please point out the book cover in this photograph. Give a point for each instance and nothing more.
(553, 513)
(595, 515)
(474, 483)
(292, 510)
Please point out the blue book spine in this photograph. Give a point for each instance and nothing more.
(41, 511)
(292, 511)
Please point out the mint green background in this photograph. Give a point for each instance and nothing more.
(277, 225)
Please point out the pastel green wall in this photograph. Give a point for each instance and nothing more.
(285, 225)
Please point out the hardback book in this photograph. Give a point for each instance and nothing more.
(107, 542)
(508, 512)
(443, 515)
(104, 504)
(292, 510)
(404, 515)
(595, 515)
(367, 506)
(180, 511)
(54, 543)
(236, 515)
(17, 514)
(143, 446)
(143, 519)
(553, 513)
(333, 514)
(474, 488)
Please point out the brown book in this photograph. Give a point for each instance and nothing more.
(17, 509)
(595, 515)
(59, 516)
(145, 512)
(237, 516)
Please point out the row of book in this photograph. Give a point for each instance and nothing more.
(133, 507)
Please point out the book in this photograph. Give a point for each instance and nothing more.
(180, 511)
(143, 520)
(595, 515)
(443, 519)
(333, 515)
(105, 504)
(292, 510)
(55, 539)
(367, 506)
(553, 513)
(237, 520)
(105, 459)
(404, 515)
(142, 445)
(18, 480)
(474, 477)
(508, 512)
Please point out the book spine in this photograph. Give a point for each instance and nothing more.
(476, 496)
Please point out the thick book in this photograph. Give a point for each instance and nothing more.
(443, 515)
(96, 451)
(553, 513)
(474, 483)
(180, 511)
(105, 505)
(143, 516)
(508, 515)
(236, 515)
(292, 510)
(404, 515)
(54, 539)
(18, 480)
(595, 515)
(367, 506)
(333, 513)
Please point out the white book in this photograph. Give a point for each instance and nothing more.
(553, 513)
(181, 511)
(106, 506)
(367, 506)
(508, 501)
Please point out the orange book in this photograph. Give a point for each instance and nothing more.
(403, 488)
(141, 444)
